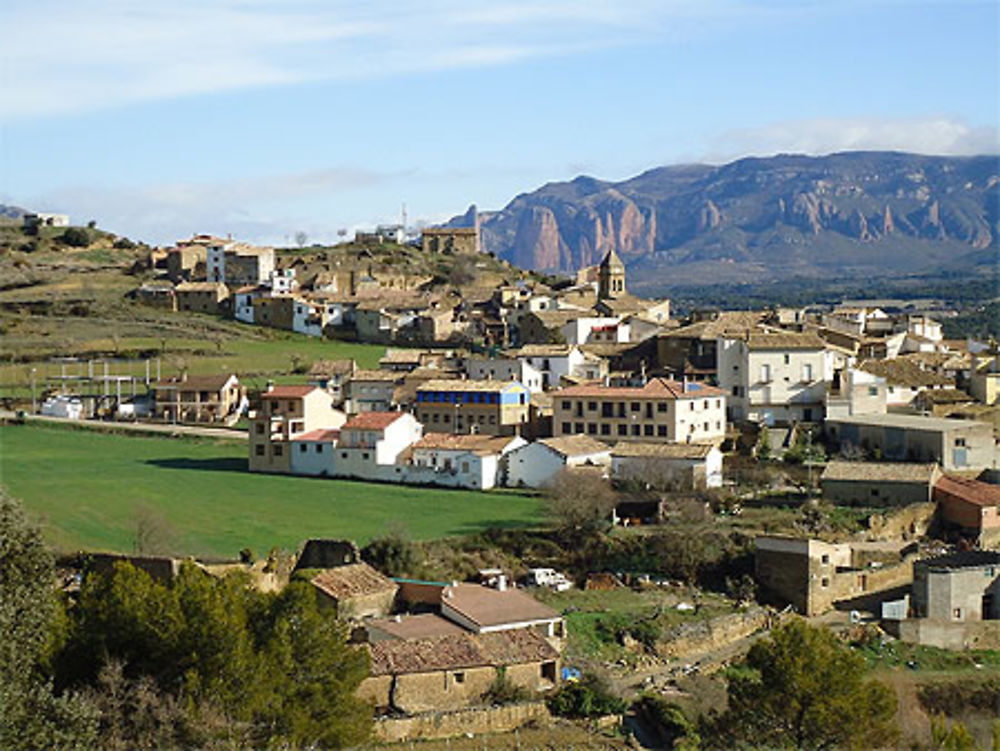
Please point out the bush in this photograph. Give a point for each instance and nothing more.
(503, 691)
(674, 728)
(591, 696)
(76, 237)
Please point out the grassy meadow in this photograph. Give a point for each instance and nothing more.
(89, 490)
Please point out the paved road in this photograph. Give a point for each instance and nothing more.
(136, 427)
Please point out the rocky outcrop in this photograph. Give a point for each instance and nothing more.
(860, 213)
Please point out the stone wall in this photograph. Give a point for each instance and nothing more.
(907, 523)
(453, 724)
(704, 636)
(948, 634)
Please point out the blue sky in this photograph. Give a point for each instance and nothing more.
(266, 118)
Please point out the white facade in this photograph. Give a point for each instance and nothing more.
(505, 369)
(373, 453)
(536, 464)
(553, 366)
(243, 305)
(65, 407)
(590, 330)
(313, 456)
(859, 393)
(773, 385)
(635, 467)
(282, 281)
(308, 318)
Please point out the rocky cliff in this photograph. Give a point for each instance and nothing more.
(850, 214)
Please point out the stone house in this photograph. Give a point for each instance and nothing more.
(855, 392)
(192, 398)
(688, 466)
(238, 264)
(450, 240)
(157, 296)
(661, 410)
(878, 483)
(454, 671)
(984, 381)
(905, 378)
(536, 464)
(332, 375)
(371, 390)
(355, 591)
(812, 575)
(325, 553)
(957, 587)
(954, 444)
(185, 263)
(692, 349)
(201, 297)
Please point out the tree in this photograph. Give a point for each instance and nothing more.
(301, 238)
(802, 688)
(392, 553)
(31, 714)
(580, 503)
(591, 696)
(76, 237)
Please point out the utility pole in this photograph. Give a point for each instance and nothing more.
(34, 404)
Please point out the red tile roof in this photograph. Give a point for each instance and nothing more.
(322, 435)
(372, 421)
(353, 580)
(971, 491)
(656, 388)
(287, 392)
(514, 647)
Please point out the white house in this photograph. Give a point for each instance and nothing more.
(535, 464)
(243, 302)
(370, 445)
(308, 317)
(283, 281)
(554, 361)
(312, 453)
(505, 369)
(774, 377)
(592, 330)
(690, 465)
(467, 461)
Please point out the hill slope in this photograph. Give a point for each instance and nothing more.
(854, 214)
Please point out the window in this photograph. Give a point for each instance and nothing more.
(825, 558)
(279, 450)
(592, 428)
(873, 391)
(825, 581)
(296, 426)
(807, 372)
(706, 426)
(465, 467)
(635, 430)
(957, 614)
(303, 448)
(647, 430)
(623, 430)
(607, 409)
(319, 448)
(343, 454)
(788, 359)
(436, 418)
(661, 407)
(592, 406)
(566, 404)
(565, 427)
(661, 431)
(634, 406)
(459, 677)
(605, 429)
(765, 373)
(578, 427)
(259, 450)
(365, 455)
(260, 428)
(446, 418)
(706, 404)
(960, 442)
(690, 406)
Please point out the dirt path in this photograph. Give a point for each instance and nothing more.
(134, 427)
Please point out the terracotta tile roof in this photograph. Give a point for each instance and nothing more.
(655, 388)
(331, 367)
(479, 444)
(288, 392)
(485, 606)
(575, 445)
(946, 396)
(879, 472)
(321, 436)
(900, 371)
(540, 350)
(371, 421)
(456, 651)
(662, 450)
(195, 383)
(376, 375)
(421, 626)
(451, 384)
(971, 491)
(353, 580)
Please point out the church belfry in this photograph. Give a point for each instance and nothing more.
(611, 277)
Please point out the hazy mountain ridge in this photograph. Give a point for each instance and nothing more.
(855, 213)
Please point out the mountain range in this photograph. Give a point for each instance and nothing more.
(846, 215)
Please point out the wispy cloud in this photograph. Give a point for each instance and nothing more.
(73, 57)
(931, 135)
(251, 208)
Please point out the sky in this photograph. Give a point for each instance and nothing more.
(264, 119)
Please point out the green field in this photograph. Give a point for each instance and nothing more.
(88, 489)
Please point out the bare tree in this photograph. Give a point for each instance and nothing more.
(301, 238)
(153, 534)
(579, 501)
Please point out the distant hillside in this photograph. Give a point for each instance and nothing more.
(849, 215)
(12, 212)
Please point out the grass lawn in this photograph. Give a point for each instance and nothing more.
(87, 487)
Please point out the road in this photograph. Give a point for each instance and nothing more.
(135, 427)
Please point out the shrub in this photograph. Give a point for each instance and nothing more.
(76, 237)
(503, 691)
(674, 728)
(591, 696)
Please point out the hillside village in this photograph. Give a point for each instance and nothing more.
(497, 379)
